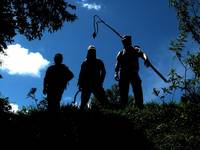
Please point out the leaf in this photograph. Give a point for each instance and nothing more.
(31, 93)
(156, 91)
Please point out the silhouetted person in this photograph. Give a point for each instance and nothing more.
(91, 78)
(126, 72)
(55, 81)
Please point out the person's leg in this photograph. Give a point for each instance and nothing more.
(51, 102)
(54, 96)
(85, 96)
(123, 89)
(58, 98)
(137, 90)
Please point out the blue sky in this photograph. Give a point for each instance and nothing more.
(152, 24)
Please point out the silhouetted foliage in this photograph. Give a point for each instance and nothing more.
(40, 104)
(113, 94)
(187, 12)
(31, 18)
(193, 61)
(71, 127)
(166, 126)
(4, 104)
(113, 97)
(189, 22)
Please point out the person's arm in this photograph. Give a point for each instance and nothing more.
(45, 83)
(80, 78)
(143, 56)
(69, 74)
(117, 67)
(103, 72)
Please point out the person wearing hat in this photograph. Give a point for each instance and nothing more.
(126, 71)
(55, 81)
(91, 78)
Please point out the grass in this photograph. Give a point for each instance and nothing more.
(169, 126)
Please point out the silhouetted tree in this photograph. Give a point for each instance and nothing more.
(187, 12)
(40, 104)
(4, 104)
(113, 96)
(31, 18)
(194, 62)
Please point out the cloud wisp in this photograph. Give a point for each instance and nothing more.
(89, 6)
(14, 107)
(19, 61)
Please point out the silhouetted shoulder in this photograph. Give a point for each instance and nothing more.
(138, 50)
(100, 61)
(84, 62)
(64, 66)
(50, 68)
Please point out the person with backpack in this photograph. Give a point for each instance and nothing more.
(55, 82)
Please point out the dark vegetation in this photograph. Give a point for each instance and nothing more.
(157, 126)
(166, 125)
(32, 18)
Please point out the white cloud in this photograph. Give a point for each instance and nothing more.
(90, 6)
(14, 107)
(22, 62)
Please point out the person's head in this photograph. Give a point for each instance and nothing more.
(58, 58)
(126, 41)
(91, 54)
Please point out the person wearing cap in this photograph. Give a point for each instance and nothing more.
(91, 78)
(55, 81)
(126, 71)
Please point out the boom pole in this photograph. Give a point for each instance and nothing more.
(101, 21)
(158, 73)
(95, 23)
